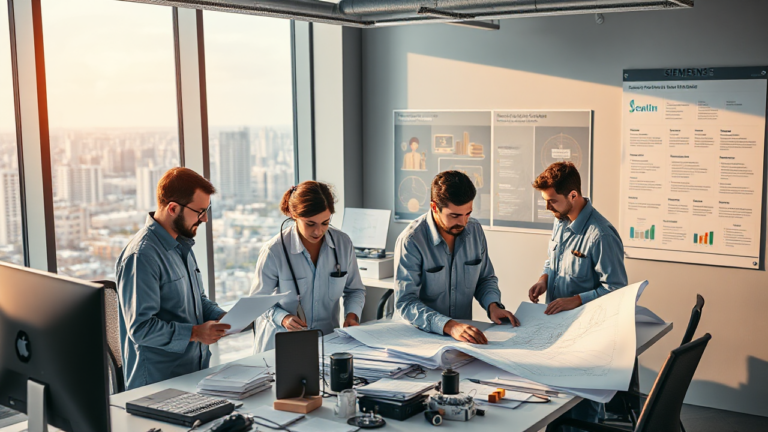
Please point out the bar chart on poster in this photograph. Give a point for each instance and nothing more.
(692, 166)
(501, 152)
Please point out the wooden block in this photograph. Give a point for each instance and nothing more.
(501, 392)
(493, 398)
(298, 405)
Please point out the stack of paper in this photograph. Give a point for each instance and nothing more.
(375, 370)
(370, 362)
(396, 389)
(236, 381)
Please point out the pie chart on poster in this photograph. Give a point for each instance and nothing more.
(412, 193)
(561, 148)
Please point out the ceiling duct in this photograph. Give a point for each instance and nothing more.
(378, 13)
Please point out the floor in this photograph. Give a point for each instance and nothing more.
(700, 419)
(695, 419)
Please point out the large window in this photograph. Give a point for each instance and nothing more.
(113, 120)
(250, 112)
(10, 202)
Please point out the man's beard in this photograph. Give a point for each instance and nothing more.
(178, 225)
(563, 215)
(455, 230)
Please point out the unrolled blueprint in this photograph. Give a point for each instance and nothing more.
(591, 347)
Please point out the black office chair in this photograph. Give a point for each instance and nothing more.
(626, 405)
(662, 408)
(382, 307)
(112, 324)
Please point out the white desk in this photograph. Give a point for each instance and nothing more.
(526, 418)
(388, 283)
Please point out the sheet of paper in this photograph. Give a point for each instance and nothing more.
(591, 347)
(247, 309)
(643, 314)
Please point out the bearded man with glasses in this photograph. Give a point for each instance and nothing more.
(166, 321)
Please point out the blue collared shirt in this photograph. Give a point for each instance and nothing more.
(321, 286)
(433, 285)
(600, 270)
(161, 297)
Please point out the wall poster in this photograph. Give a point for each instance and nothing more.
(501, 151)
(692, 166)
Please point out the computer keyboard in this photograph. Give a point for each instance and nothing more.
(180, 407)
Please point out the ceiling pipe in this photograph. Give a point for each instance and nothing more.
(381, 13)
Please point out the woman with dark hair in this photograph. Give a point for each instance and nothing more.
(312, 261)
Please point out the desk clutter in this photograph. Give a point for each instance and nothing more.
(373, 364)
(236, 381)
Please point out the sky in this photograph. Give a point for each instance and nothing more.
(110, 64)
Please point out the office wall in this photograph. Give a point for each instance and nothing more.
(573, 63)
(338, 114)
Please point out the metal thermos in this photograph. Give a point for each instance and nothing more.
(342, 376)
(450, 382)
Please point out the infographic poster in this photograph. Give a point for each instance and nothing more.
(692, 166)
(428, 142)
(525, 143)
(501, 151)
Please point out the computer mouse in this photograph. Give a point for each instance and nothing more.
(234, 423)
(505, 320)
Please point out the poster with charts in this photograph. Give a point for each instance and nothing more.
(501, 151)
(692, 165)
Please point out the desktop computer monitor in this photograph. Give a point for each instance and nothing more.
(53, 355)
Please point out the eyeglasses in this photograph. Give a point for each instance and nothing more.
(200, 214)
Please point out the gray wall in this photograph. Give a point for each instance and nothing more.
(573, 63)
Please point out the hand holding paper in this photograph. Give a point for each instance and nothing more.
(247, 309)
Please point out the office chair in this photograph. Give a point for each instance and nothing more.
(626, 404)
(662, 408)
(382, 307)
(115, 354)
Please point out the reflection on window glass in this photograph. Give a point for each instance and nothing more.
(113, 120)
(250, 112)
(10, 200)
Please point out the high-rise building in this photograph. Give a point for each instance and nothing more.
(81, 184)
(235, 165)
(147, 179)
(71, 224)
(10, 213)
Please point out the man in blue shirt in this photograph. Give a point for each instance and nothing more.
(442, 262)
(166, 321)
(585, 257)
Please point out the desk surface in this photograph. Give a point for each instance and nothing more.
(380, 283)
(526, 418)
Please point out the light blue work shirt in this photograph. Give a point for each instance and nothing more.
(161, 297)
(433, 285)
(600, 270)
(320, 286)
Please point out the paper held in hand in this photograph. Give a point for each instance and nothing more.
(247, 309)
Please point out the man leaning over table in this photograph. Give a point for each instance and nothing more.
(585, 258)
(442, 263)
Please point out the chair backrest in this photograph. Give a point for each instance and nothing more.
(694, 321)
(382, 307)
(111, 312)
(662, 409)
